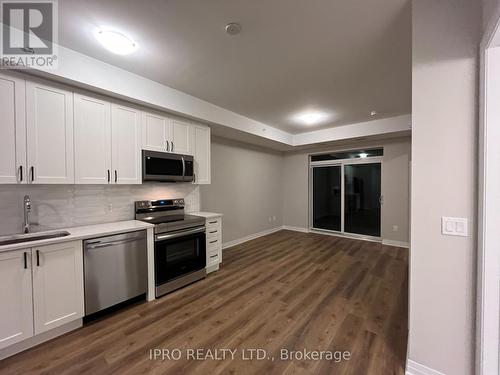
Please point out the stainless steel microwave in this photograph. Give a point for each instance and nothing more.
(167, 167)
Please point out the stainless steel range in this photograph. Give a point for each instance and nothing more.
(180, 248)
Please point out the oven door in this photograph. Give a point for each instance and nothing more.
(161, 166)
(179, 253)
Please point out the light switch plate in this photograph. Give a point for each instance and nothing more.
(454, 226)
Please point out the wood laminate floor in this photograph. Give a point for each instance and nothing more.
(284, 292)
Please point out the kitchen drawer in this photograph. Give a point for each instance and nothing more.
(214, 223)
(213, 235)
(213, 258)
(214, 243)
(213, 232)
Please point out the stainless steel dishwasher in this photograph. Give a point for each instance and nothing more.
(115, 269)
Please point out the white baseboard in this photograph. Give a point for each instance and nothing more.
(250, 237)
(295, 229)
(415, 368)
(396, 243)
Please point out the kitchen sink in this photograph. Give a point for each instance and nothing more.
(29, 237)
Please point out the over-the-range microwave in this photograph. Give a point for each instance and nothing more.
(167, 167)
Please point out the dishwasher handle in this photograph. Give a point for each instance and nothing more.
(107, 244)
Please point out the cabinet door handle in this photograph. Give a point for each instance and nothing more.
(214, 231)
(214, 241)
(194, 177)
(109, 176)
(212, 222)
(116, 175)
(168, 145)
(172, 145)
(32, 173)
(21, 173)
(25, 254)
(38, 258)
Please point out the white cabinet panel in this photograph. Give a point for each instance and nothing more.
(154, 132)
(181, 140)
(12, 130)
(126, 145)
(57, 284)
(16, 308)
(201, 154)
(92, 140)
(49, 118)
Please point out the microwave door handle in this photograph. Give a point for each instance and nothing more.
(183, 167)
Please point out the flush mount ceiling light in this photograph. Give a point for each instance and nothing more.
(311, 117)
(116, 42)
(363, 155)
(373, 113)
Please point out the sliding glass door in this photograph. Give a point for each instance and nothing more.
(327, 198)
(362, 192)
(345, 196)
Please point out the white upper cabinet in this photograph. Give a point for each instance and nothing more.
(16, 308)
(92, 140)
(160, 133)
(49, 119)
(180, 137)
(154, 132)
(50, 135)
(57, 284)
(126, 144)
(13, 130)
(201, 136)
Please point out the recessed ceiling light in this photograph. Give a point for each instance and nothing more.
(233, 28)
(311, 117)
(116, 42)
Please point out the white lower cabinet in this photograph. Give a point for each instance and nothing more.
(57, 285)
(41, 288)
(16, 309)
(214, 243)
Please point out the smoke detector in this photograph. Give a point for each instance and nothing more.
(233, 28)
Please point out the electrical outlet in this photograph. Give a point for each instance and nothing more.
(269, 219)
(395, 228)
(110, 207)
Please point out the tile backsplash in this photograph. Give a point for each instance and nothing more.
(61, 206)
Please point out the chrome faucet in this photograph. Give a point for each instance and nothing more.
(27, 212)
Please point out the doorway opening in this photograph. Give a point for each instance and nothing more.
(345, 193)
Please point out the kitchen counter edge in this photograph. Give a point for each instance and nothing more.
(82, 233)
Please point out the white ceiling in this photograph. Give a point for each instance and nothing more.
(343, 57)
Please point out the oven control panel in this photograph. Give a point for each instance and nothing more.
(160, 203)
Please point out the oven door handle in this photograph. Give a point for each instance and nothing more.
(179, 234)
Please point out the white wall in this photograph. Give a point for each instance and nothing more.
(246, 188)
(58, 206)
(395, 186)
(442, 276)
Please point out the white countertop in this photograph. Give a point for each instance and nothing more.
(206, 215)
(84, 232)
